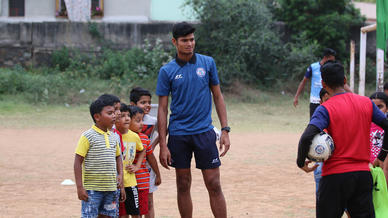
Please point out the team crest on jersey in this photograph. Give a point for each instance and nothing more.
(201, 72)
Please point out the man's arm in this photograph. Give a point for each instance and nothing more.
(164, 154)
(222, 116)
(304, 146)
(82, 194)
(299, 90)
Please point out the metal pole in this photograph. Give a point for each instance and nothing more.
(379, 69)
(361, 86)
(352, 63)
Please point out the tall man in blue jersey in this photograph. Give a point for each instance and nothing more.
(191, 79)
(314, 73)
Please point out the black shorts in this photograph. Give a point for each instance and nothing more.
(131, 204)
(352, 190)
(312, 108)
(203, 146)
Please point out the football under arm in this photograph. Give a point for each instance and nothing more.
(384, 150)
(305, 142)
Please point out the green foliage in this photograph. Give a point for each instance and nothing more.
(327, 22)
(242, 37)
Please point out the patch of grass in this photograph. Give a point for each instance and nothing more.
(274, 112)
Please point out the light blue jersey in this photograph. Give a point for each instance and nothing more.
(314, 72)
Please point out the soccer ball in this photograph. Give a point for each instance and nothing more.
(321, 147)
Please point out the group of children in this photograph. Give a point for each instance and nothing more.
(115, 169)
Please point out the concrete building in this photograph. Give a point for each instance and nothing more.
(140, 11)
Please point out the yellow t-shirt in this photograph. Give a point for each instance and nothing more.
(132, 144)
(99, 150)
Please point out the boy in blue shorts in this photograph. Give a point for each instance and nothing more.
(142, 98)
(98, 163)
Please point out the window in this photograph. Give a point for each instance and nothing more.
(16, 8)
(97, 8)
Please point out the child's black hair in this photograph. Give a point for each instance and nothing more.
(110, 99)
(182, 29)
(136, 94)
(322, 93)
(333, 74)
(124, 108)
(98, 105)
(133, 110)
(381, 96)
(386, 86)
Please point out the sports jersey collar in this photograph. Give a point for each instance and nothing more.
(100, 130)
(182, 63)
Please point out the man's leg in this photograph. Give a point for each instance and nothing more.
(213, 185)
(183, 184)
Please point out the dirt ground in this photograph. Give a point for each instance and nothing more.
(259, 177)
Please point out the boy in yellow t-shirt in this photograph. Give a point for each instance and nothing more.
(131, 145)
(98, 164)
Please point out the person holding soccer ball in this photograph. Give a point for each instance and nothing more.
(346, 179)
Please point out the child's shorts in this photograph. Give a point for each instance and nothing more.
(131, 205)
(143, 201)
(153, 187)
(100, 202)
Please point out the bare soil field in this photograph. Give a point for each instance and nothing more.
(259, 177)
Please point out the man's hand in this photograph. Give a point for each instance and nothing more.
(295, 101)
(82, 194)
(224, 143)
(131, 168)
(306, 167)
(165, 157)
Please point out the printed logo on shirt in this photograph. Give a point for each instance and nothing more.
(215, 160)
(201, 72)
(179, 76)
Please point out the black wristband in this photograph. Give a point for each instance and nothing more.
(226, 128)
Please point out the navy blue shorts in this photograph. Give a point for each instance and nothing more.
(203, 146)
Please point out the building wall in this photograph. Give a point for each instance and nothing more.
(171, 10)
(127, 10)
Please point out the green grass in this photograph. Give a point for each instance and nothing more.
(251, 112)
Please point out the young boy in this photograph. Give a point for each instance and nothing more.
(142, 98)
(130, 147)
(346, 179)
(142, 175)
(98, 164)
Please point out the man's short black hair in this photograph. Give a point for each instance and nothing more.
(322, 93)
(333, 74)
(136, 94)
(98, 105)
(380, 95)
(329, 52)
(386, 86)
(124, 108)
(133, 110)
(182, 29)
(110, 99)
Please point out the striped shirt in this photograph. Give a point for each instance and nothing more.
(143, 175)
(100, 150)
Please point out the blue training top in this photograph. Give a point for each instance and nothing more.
(314, 72)
(189, 84)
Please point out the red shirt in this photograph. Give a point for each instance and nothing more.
(143, 175)
(350, 120)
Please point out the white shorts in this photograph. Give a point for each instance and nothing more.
(153, 187)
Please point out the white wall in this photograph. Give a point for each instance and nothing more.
(127, 10)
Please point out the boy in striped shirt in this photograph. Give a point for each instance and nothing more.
(98, 164)
(142, 175)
